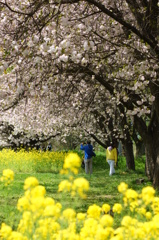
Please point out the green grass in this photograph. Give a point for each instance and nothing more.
(103, 188)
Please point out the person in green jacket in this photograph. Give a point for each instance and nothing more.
(111, 157)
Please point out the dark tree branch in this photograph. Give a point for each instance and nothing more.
(96, 139)
(151, 41)
(15, 101)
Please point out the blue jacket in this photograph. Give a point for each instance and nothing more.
(88, 151)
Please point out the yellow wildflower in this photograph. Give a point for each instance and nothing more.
(94, 211)
(49, 201)
(104, 233)
(58, 204)
(148, 194)
(134, 205)
(80, 185)
(7, 176)
(65, 186)
(23, 204)
(37, 205)
(52, 210)
(117, 208)
(106, 220)
(16, 235)
(26, 223)
(106, 208)
(81, 216)
(148, 215)
(155, 205)
(131, 195)
(126, 221)
(141, 210)
(122, 187)
(72, 162)
(119, 232)
(89, 230)
(38, 191)
(156, 219)
(69, 214)
(5, 231)
(47, 227)
(30, 182)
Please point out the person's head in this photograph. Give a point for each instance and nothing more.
(88, 142)
(110, 148)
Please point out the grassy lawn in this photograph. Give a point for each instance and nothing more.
(103, 188)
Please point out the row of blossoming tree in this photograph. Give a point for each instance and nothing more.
(90, 65)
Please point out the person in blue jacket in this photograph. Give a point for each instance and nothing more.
(88, 154)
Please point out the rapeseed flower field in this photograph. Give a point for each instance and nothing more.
(31, 161)
(43, 218)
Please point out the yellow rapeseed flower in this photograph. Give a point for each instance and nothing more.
(48, 201)
(26, 223)
(94, 211)
(23, 204)
(117, 208)
(67, 234)
(134, 205)
(141, 211)
(72, 162)
(69, 214)
(156, 220)
(140, 232)
(119, 234)
(126, 221)
(38, 191)
(131, 195)
(105, 208)
(52, 211)
(122, 187)
(106, 220)
(148, 194)
(5, 231)
(64, 186)
(81, 216)
(46, 227)
(89, 229)
(7, 176)
(58, 204)
(30, 182)
(37, 205)
(155, 205)
(80, 185)
(104, 233)
(148, 215)
(17, 236)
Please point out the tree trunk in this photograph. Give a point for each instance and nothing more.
(140, 148)
(155, 129)
(150, 135)
(154, 162)
(129, 154)
(151, 142)
(150, 158)
(156, 172)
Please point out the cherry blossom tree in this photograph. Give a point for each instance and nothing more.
(62, 53)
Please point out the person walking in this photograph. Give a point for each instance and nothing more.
(49, 147)
(111, 157)
(88, 154)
